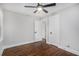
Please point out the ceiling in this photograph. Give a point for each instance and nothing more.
(19, 8)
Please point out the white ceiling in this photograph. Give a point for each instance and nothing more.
(19, 7)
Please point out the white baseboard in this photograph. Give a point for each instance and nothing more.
(70, 50)
(5, 47)
(66, 48)
(9, 46)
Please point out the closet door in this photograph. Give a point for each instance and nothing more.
(43, 28)
(53, 29)
(37, 32)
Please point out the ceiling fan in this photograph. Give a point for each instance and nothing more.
(41, 7)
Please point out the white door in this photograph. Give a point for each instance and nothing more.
(38, 35)
(53, 29)
(43, 29)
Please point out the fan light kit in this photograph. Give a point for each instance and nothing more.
(41, 7)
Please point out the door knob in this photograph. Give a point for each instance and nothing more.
(50, 32)
(35, 32)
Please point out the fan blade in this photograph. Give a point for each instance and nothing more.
(49, 5)
(31, 6)
(35, 11)
(45, 11)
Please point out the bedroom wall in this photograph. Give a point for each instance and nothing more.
(66, 28)
(69, 28)
(1, 24)
(1, 18)
(17, 28)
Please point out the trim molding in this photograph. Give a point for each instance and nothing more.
(66, 48)
(5, 47)
(1, 51)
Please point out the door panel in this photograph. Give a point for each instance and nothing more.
(43, 28)
(54, 29)
(38, 36)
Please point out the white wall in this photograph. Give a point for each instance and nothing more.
(70, 28)
(66, 28)
(0, 27)
(1, 35)
(17, 29)
(1, 24)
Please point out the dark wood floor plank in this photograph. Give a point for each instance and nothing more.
(36, 49)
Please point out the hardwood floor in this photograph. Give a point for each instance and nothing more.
(36, 49)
